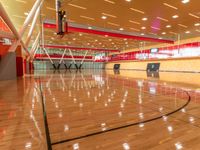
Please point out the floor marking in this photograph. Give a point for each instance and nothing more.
(48, 138)
(125, 126)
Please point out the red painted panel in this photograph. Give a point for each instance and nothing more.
(3, 49)
(103, 33)
(3, 26)
(24, 66)
(19, 66)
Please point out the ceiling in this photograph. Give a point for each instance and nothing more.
(119, 14)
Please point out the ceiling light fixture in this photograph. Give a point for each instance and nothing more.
(114, 24)
(160, 18)
(175, 16)
(168, 5)
(184, 26)
(168, 26)
(185, 1)
(109, 1)
(21, 1)
(197, 24)
(131, 21)
(195, 16)
(85, 17)
(26, 14)
(144, 19)
(77, 6)
(104, 17)
(135, 29)
(136, 10)
(155, 28)
(109, 15)
(143, 28)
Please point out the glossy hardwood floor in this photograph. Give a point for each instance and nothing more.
(96, 109)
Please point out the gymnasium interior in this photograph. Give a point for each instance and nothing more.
(99, 74)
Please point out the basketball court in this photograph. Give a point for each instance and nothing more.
(99, 74)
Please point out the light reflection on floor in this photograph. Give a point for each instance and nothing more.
(96, 109)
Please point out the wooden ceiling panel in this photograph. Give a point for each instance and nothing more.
(120, 14)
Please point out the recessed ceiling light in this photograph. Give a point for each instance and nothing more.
(104, 17)
(163, 19)
(168, 26)
(109, 1)
(155, 28)
(187, 32)
(185, 1)
(26, 13)
(134, 22)
(142, 34)
(109, 15)
(197, 24)
(89, 27)
(182, 25)
(175, 16)
(80, 34)
(168, 5)
(77, 6)
(135, 29)
(121, 29)
(198, 30)
(163, 33)
(21, 1)
(136, 10)
(113, 24)
(86, 17)
(144, 19)
(74, 39)
(195, 16)
(128, 0)
(143, 28)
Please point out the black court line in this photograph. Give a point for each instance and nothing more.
(48, 138)
(159, 70)
(125, 126)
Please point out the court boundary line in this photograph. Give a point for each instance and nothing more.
(48, 138)
(176, 71)
(125, 126)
